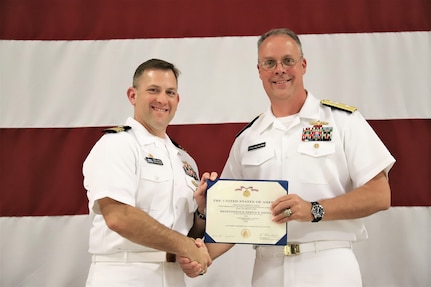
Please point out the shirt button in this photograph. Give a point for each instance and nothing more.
(316, 145)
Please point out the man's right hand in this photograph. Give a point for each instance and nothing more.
(194, 268)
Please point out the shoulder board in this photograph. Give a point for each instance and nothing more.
(247, 126)
(177, 145)
(117, 129)
(339, 106)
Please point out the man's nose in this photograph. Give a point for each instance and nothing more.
(162, 97)
(280, 67)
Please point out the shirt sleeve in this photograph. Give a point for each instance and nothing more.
(110, 170)
(366, 154)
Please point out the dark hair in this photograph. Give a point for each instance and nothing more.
(156, 64)
(281, 31)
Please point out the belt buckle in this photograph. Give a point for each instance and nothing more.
(291, 249)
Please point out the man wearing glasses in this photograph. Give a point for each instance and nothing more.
(336, 166)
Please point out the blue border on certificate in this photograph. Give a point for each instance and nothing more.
(283, 183)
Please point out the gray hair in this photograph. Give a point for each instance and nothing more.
(281, 31)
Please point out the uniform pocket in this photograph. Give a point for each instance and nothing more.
(317, 162)
(316, 149)
(259, 163)
(257, 157)
(155, 185)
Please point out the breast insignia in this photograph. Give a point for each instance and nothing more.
(188, 169)
(339, 106)
(116, 129)
(317, 132)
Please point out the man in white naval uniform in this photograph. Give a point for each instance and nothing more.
(141, 191)
(336, 167)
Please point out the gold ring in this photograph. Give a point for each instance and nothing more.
(288, 212)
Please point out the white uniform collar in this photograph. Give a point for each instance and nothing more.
(144, 137)
(309, 111)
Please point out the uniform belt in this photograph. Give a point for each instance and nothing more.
(129, 257)
(292, 249)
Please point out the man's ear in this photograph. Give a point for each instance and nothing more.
(131, 95)
(258, 70)
(304, 65)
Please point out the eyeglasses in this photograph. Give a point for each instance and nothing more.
(271, 64)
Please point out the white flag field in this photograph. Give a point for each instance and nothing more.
(65, 68)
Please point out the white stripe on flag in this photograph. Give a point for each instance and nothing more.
(83, 83)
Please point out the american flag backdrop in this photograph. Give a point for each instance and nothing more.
(65, 67)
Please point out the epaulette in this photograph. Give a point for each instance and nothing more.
(177, 145)
(116, 129)
(247, 126)
(339, 106)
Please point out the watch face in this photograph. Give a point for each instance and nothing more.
(317, 211)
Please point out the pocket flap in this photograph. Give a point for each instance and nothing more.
(316, 148)
(258, 156)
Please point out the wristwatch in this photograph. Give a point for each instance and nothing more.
(317, 211)
(200, 215)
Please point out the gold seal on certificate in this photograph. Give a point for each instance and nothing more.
(239, 211)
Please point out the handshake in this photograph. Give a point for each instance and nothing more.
(198, 262)
(199, 255)
(206, 253)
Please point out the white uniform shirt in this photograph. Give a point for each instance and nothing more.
(314, 169)
(141, 170)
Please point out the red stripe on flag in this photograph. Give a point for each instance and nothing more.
(408, 141)
(41, 172)
(130, 19)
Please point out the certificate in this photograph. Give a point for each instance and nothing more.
(239, 211)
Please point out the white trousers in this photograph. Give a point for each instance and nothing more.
(136, 274)
(326, 268)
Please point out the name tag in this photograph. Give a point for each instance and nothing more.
(153, 160)
(256, 146)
